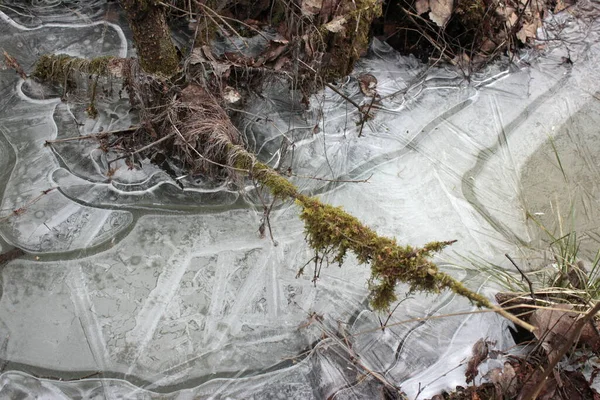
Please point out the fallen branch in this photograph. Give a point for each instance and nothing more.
(332, 231)
(316, 178)
(22, 209)
(205, 136)
(97, 136)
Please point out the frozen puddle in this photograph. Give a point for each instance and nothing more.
(150, 291)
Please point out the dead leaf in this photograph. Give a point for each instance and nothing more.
(272, 52)
(206, 50)
(504, 381)
(560, 5)
(281, 61)
(480, 353)
(231, 96)
(529, 30)
(547, 392)
(422, 6)
(555, 327)
(311, 7)
(336, 25)
(441, 10)
(368, 84)
(197, 56)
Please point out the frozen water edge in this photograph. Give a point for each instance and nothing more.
(181, 299)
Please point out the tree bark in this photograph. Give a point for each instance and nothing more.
(156, 51)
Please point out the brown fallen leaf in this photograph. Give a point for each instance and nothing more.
(272, 52)
(548, 390)
(311, 7)
(480, 353)
(504, 380)
(528, 31)
(441, 10)
(368, 84)
(422, 6)
(554, 327)
(336, 25)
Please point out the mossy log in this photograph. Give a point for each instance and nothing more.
(333, 231)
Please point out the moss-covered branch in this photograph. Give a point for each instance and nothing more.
(60, 68)
(333, 231)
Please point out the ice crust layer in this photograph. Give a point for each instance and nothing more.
(149, 291)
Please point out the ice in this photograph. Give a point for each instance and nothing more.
(134, 288)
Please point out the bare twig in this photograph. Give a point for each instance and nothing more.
(144, 148)
(523, 275)
(366, 180)
(348, 99)
(22, 209)
(366, 116)
(101, 135)
(384, 324)
(431, 317)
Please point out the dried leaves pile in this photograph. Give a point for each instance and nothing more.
(468, 33)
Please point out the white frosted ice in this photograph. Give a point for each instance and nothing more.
(150, 291)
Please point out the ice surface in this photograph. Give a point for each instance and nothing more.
(134, 288)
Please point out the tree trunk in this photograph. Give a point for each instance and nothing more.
(156, 51)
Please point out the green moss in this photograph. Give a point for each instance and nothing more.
(332, 232)
(60, 68)
(347, 46)
(277, 184)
